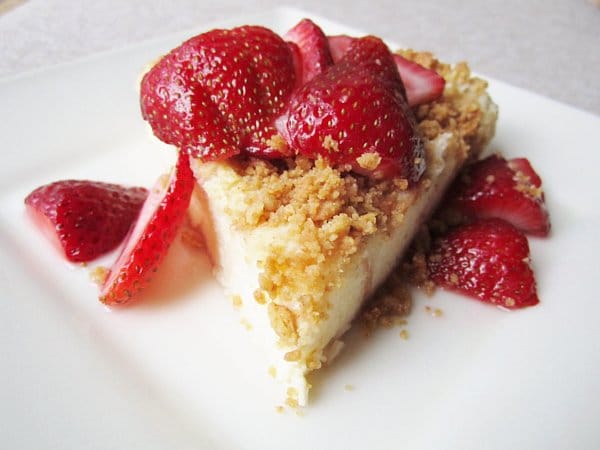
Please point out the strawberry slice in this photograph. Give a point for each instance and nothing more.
(313, 47)
(339, 45)
(85, 219)
(150, 238)
(219, 93)
(510, 190)
(487, 260)
(422, 85)
(355, 114)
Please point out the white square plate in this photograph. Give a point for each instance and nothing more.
(182, 373)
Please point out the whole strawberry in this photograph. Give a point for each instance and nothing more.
(151, 236)
(509, 190)
(85, 218)
(355, 114)
(219, 93)
(487, 260)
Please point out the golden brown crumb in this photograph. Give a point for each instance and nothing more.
(277, 143)
(273, 371)
(404, 334)
(291, 402)
(98, 275)
(330, 144)
(293, 355)
(260, 297)
(246, 324)
(369, 161)
(280, 409)
(348, 387)
(237, 301)
(388, 307)
(283, 322)
(437, 312)
(292, 392)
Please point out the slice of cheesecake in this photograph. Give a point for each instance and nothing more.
(299, 244)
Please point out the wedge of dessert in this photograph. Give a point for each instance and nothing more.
(317, 159)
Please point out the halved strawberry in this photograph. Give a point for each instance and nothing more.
(313, 46)
(150, 238)
(85, 218)
(355, 114)
(219, 93)
(487, 260)
(509, 190)
(422, 85)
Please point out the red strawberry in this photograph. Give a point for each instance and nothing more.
(85, 218)
(339, 45)
(313, 46)
(355, 114)
(219, 93)
(487, 260)
(509, 190)
(150, 238)
(422, 85)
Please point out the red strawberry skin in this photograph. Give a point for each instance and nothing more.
(510, 190)
(487, 260)
(86, 218)
(357, 107)
(219, 93)
(422, 85)
(313, 46)
(150, 238)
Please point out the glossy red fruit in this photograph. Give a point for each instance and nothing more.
(85, 219)
(355, 114)
(219, 93)
(313, 46)
(487, 260)
(422, 85)
(509, 190)
(151, 236)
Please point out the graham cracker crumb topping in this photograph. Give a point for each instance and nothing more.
(370, 161)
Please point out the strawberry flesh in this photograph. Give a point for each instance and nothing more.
(313, 46)
(339, 45)
(355, 114)
(422, 85)
(85, 218)
(219, 93)
(487, 260)
(151, 236)
(509, 190)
